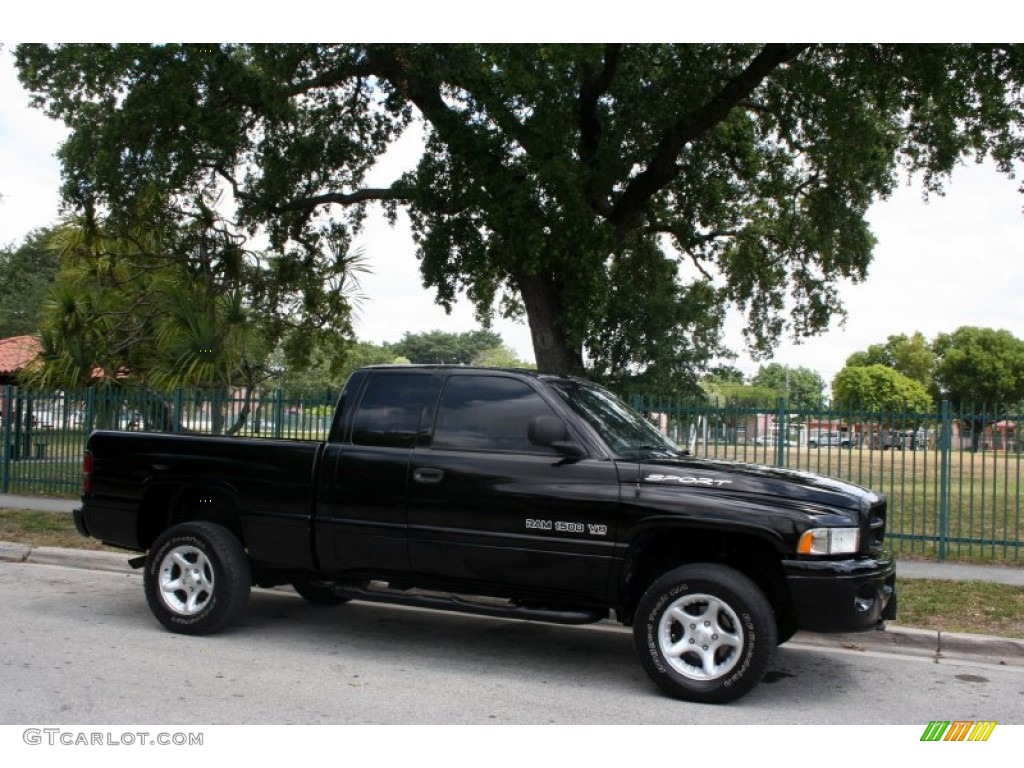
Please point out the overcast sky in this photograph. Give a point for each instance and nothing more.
(956, 260)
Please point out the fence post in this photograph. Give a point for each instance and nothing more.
(179, 410)
(945, 449)
(781, 432)
(5, 436)
(278, 412)
(89, 422)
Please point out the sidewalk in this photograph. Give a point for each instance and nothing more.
(37, 503)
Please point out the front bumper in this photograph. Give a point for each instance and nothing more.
(842, 595)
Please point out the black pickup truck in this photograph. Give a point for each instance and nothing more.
(504, 493)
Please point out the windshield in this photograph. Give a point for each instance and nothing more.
(625, 431)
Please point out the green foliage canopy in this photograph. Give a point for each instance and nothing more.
(912, 356)
(439, 347)
(328, 366)
(980, 366)
(801, 387)
(878, 388)
(157, 309)
(621, 196)
(26, 272)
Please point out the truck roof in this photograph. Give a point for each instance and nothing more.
(414, 367)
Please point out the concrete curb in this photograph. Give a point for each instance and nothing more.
(85, 559)
(14, 553)
(1000, 650)
(923, 643)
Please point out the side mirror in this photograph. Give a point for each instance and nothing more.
(550, 432)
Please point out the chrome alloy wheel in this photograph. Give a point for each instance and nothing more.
(699, 635)
(186, 580)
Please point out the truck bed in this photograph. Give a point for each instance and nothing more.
(265, 485)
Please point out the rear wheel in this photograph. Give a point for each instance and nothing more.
(705, 632)
(197, 578)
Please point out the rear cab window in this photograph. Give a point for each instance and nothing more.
(394, 409)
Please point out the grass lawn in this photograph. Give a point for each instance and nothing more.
(44, 529)
(973, 607)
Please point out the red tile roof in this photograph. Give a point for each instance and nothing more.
(17, 352)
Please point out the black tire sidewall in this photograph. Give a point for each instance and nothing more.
(231, 577)
(757, 624)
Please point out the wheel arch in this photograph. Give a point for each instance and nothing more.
(169, 503)
(659, 551)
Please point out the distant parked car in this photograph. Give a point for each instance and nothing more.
(829, 439)
(898, 440)
(765, 440)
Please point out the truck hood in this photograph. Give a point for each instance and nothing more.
(735, 479)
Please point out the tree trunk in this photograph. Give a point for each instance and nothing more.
(243, 415)
(977, 432)
(551, 346)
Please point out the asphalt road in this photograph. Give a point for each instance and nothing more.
(80, 646)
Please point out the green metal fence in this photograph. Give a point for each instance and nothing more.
(43, 434)
(953, 476)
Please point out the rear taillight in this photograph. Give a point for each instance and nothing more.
(87, 472)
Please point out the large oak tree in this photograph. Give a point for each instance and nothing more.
(621, 196)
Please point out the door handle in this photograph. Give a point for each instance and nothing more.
(428, 475)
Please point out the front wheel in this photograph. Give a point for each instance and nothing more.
(705, 633)
(197, 578)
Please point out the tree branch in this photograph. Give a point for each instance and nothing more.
(663, 167)
(595, 84)
(688, 241)
(339, 198)
(330, 79)
(426, 95)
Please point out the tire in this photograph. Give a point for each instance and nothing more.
(705, 632)
(197, 578)
(318, 592)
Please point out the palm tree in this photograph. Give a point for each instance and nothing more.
(158, 308)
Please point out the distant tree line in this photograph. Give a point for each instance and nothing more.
(969, 366)
(983, 367)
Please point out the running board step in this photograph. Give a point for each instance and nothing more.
(479, 606)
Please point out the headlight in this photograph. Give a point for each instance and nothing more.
(829, 541)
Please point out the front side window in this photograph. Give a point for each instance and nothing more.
(488, 413)
(626, 432)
